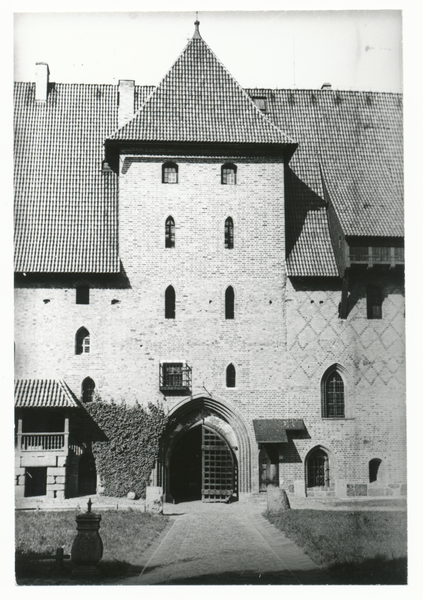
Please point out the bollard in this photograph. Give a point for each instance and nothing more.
(87, 548)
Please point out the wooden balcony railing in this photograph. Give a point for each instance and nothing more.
(45, 442)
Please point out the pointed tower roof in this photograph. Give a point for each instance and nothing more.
(199, 101)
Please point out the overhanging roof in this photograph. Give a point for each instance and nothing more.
(46, 393)
(273, 431)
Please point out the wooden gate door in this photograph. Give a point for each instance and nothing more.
(220, 476)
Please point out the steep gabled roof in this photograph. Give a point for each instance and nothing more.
(46, 393)
(199, 101)
(356, 140)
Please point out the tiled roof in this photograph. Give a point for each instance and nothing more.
(274, 430)
(199, 101)
(356, 139)
(66, 209)
(47, 393)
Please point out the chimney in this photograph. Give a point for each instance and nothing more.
(326, 86)
(42, 73)
(126, 91)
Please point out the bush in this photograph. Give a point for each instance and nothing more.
(125, 461)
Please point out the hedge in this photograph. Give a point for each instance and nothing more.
(125, 461)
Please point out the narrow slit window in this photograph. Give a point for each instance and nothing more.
(82, 341)
(230, 376)
(374, 302)
(230, 303)
(229, 233)
(228, 174)
(170, 173)
(170, 300)
(374, 465)
(88, 388)
(170, 233)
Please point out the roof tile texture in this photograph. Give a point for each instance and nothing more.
(199, 101)
(47, 393)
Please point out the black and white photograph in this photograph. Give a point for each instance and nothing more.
(209, 298)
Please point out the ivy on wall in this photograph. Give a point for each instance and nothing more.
(125, 461)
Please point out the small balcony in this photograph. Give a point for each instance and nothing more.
(175, 378)
(374, 255)
(43, 442)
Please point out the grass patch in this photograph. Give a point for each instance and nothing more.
(125, 535)
(356, 547)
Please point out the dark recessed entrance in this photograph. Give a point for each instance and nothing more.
(35, 481)
(87, 475)
(203, 467)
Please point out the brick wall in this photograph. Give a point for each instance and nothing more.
(284, 336)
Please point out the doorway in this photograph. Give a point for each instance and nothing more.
(87, 475)
(203, 467)
(269, 467)
(35, 481)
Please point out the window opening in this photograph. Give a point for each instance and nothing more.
(230, 376)
(374, 465)
(318, 469)
(374, 302)
(170, 233)
(83, 294)
(229, 233)
(88, 388)
(82, 345)
(261, 103)
(170, 173)
(334, 396)
(230, 303)
(228, 174)
(170, 303)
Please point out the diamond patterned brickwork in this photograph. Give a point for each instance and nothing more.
(371, 355)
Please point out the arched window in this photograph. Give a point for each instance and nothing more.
(318, 469)
(170, 173)
(82, 341)
(228, 174)
(170, 303)
(333, 395)
(374, 465)
(230, 376)
(229, 233)
(230, 303)
(170, 233)
(87, 390)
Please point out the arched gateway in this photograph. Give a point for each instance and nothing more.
(205, 452)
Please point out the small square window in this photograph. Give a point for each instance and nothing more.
(83, 294)
(170, 173)
(261, 104)
(228, 175)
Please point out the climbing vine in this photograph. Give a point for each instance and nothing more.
(125, 461)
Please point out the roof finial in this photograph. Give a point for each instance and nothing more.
(196, 35)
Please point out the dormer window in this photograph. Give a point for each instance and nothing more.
(228, 174)
(170, 173)
(261, 103)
